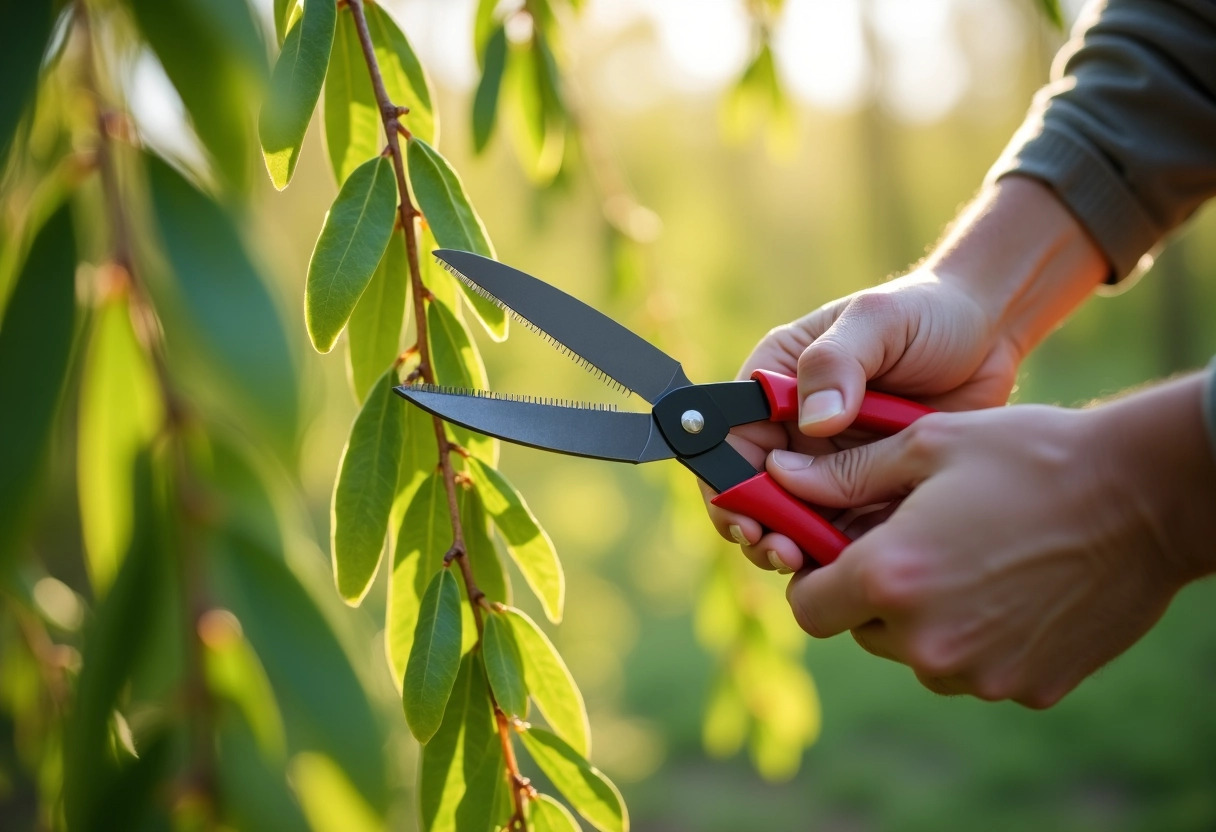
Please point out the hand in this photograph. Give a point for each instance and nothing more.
(1032, 545)
(921, 336)
(950, 334)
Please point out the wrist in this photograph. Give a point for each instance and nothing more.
(1023, 258)
(1158, 465)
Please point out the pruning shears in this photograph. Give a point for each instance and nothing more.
(689, 422)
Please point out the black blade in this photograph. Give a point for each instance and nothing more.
(598, 340)
(581, 431)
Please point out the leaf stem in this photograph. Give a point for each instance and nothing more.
(394, 130)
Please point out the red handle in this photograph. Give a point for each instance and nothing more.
(777, 510)
(879, 412)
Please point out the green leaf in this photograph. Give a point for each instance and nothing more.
(286, 13)
(1052, 11)
(443, 283)
(504, 666)
(253, 791)
(193, 39)
(324, 702)
(419, 456)
(456, 792)
(295, 86)
(485, 100)
(373, 333)
(113, 646)
(120, 412)
(353, 239)
(27, 27)
(484, 23)
(234, 672)
(35, 349)
(352, 117)
(329, 800)
(538, 113)
(435, 656)
(404, 78)
(550, 684)
(547, 815)
(443, 201)
(366, 486)
(230, 310)
(527, 543)
(456, 363)
(488, 569)
(425, 535)
(590, 793)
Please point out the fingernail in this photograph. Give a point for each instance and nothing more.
(791, 461)
(820, 407)
(778, 563)
(737, 533)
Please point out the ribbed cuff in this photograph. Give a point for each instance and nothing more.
(1209, 405)
(1091, 189)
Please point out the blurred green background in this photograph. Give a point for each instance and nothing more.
(899, 106)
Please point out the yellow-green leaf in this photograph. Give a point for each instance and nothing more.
(547, 815)
(286, 14)
(234, 672)
(295, 86)
(586, 788)
(485, 100)
(404, 78)
(447, 798)
(366, 486)
(504, 666)
(329, 799)
(549, 682)
(487, 567)
(35, 349)
(419, 456)
(443, 201)
(435, 656)
(483, 25)
(353, 239)
(456, 363)
(1052, 11)
(536, 114)
(425, 534)
(374, 331)
(527, 543)
(352, 119)
(120, 412)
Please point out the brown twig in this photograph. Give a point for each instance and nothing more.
(408, 214)
(202, 776)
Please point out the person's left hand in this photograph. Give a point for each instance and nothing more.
(1032, 545)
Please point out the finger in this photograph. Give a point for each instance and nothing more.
(777, 552)
(876, 639)
(884, 470)
(834, 368)
(733, 527)
(831, 599)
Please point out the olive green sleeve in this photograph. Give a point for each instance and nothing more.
(1125, 132)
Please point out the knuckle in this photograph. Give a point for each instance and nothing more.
(925, 439)
(871, 307)
(933, 657)
(846, 470)
(892, 581)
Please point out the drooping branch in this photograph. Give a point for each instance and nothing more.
(122, 275)
(408, 214)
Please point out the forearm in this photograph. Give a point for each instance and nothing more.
(1022, 257)
(1155, 447)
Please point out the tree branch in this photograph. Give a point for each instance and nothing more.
(390, 115)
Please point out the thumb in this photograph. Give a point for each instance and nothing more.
(834, 369)
(868, 474)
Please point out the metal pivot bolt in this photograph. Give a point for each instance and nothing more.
(692, 421)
